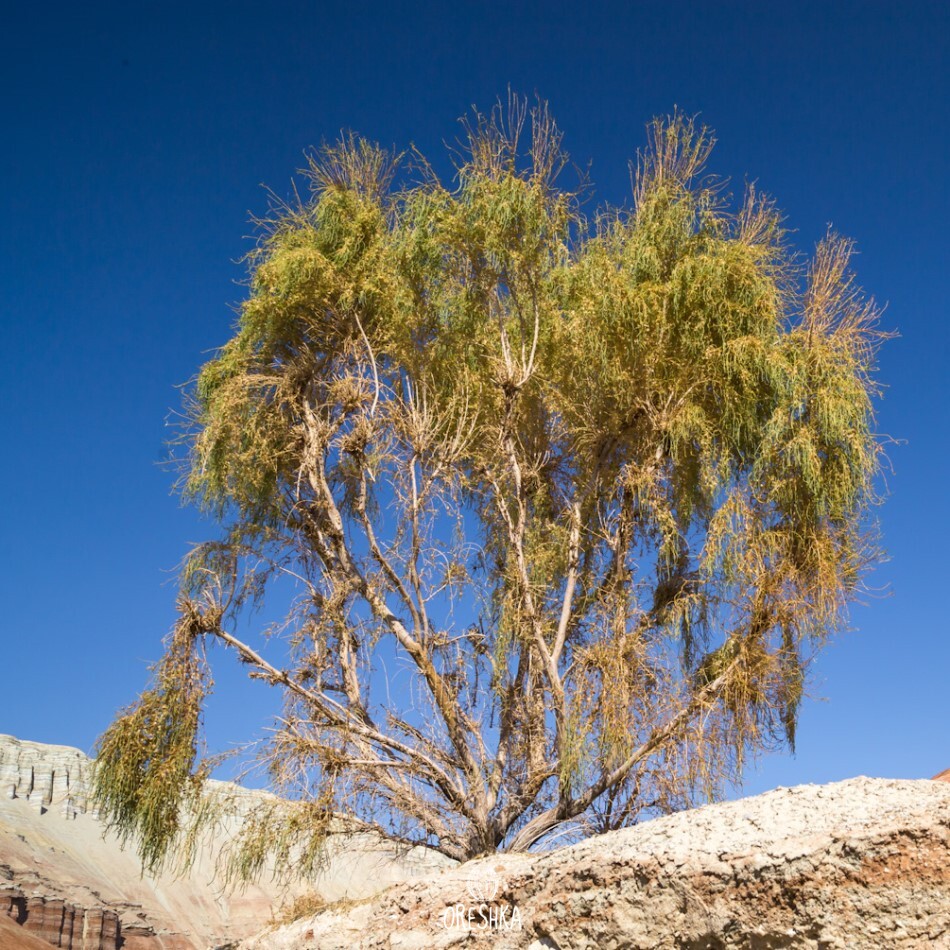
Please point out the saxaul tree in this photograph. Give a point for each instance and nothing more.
(560, 503)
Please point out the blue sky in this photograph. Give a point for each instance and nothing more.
(136, 139)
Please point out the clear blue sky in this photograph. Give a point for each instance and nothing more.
(135, 140)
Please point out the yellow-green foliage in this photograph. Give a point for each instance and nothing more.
(145, 769)
(600, 481)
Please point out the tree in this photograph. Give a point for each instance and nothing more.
(565, 505)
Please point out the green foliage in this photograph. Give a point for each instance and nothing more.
(145, 762)
(288, 836)
(635, 449)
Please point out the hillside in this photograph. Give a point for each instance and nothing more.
(66, 882)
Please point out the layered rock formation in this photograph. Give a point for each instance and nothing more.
(65, 883)
(857, 865)
(14, 937)
(44, 776)
(64, 924)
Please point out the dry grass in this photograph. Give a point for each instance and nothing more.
(310, 904)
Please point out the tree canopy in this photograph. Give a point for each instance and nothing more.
(560, 502)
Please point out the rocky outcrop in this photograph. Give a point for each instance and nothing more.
(66, 925)
(44, 776)
(857, 865)
(65, 882)
(63, 924)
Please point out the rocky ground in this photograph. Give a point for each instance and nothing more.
(858, 864)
